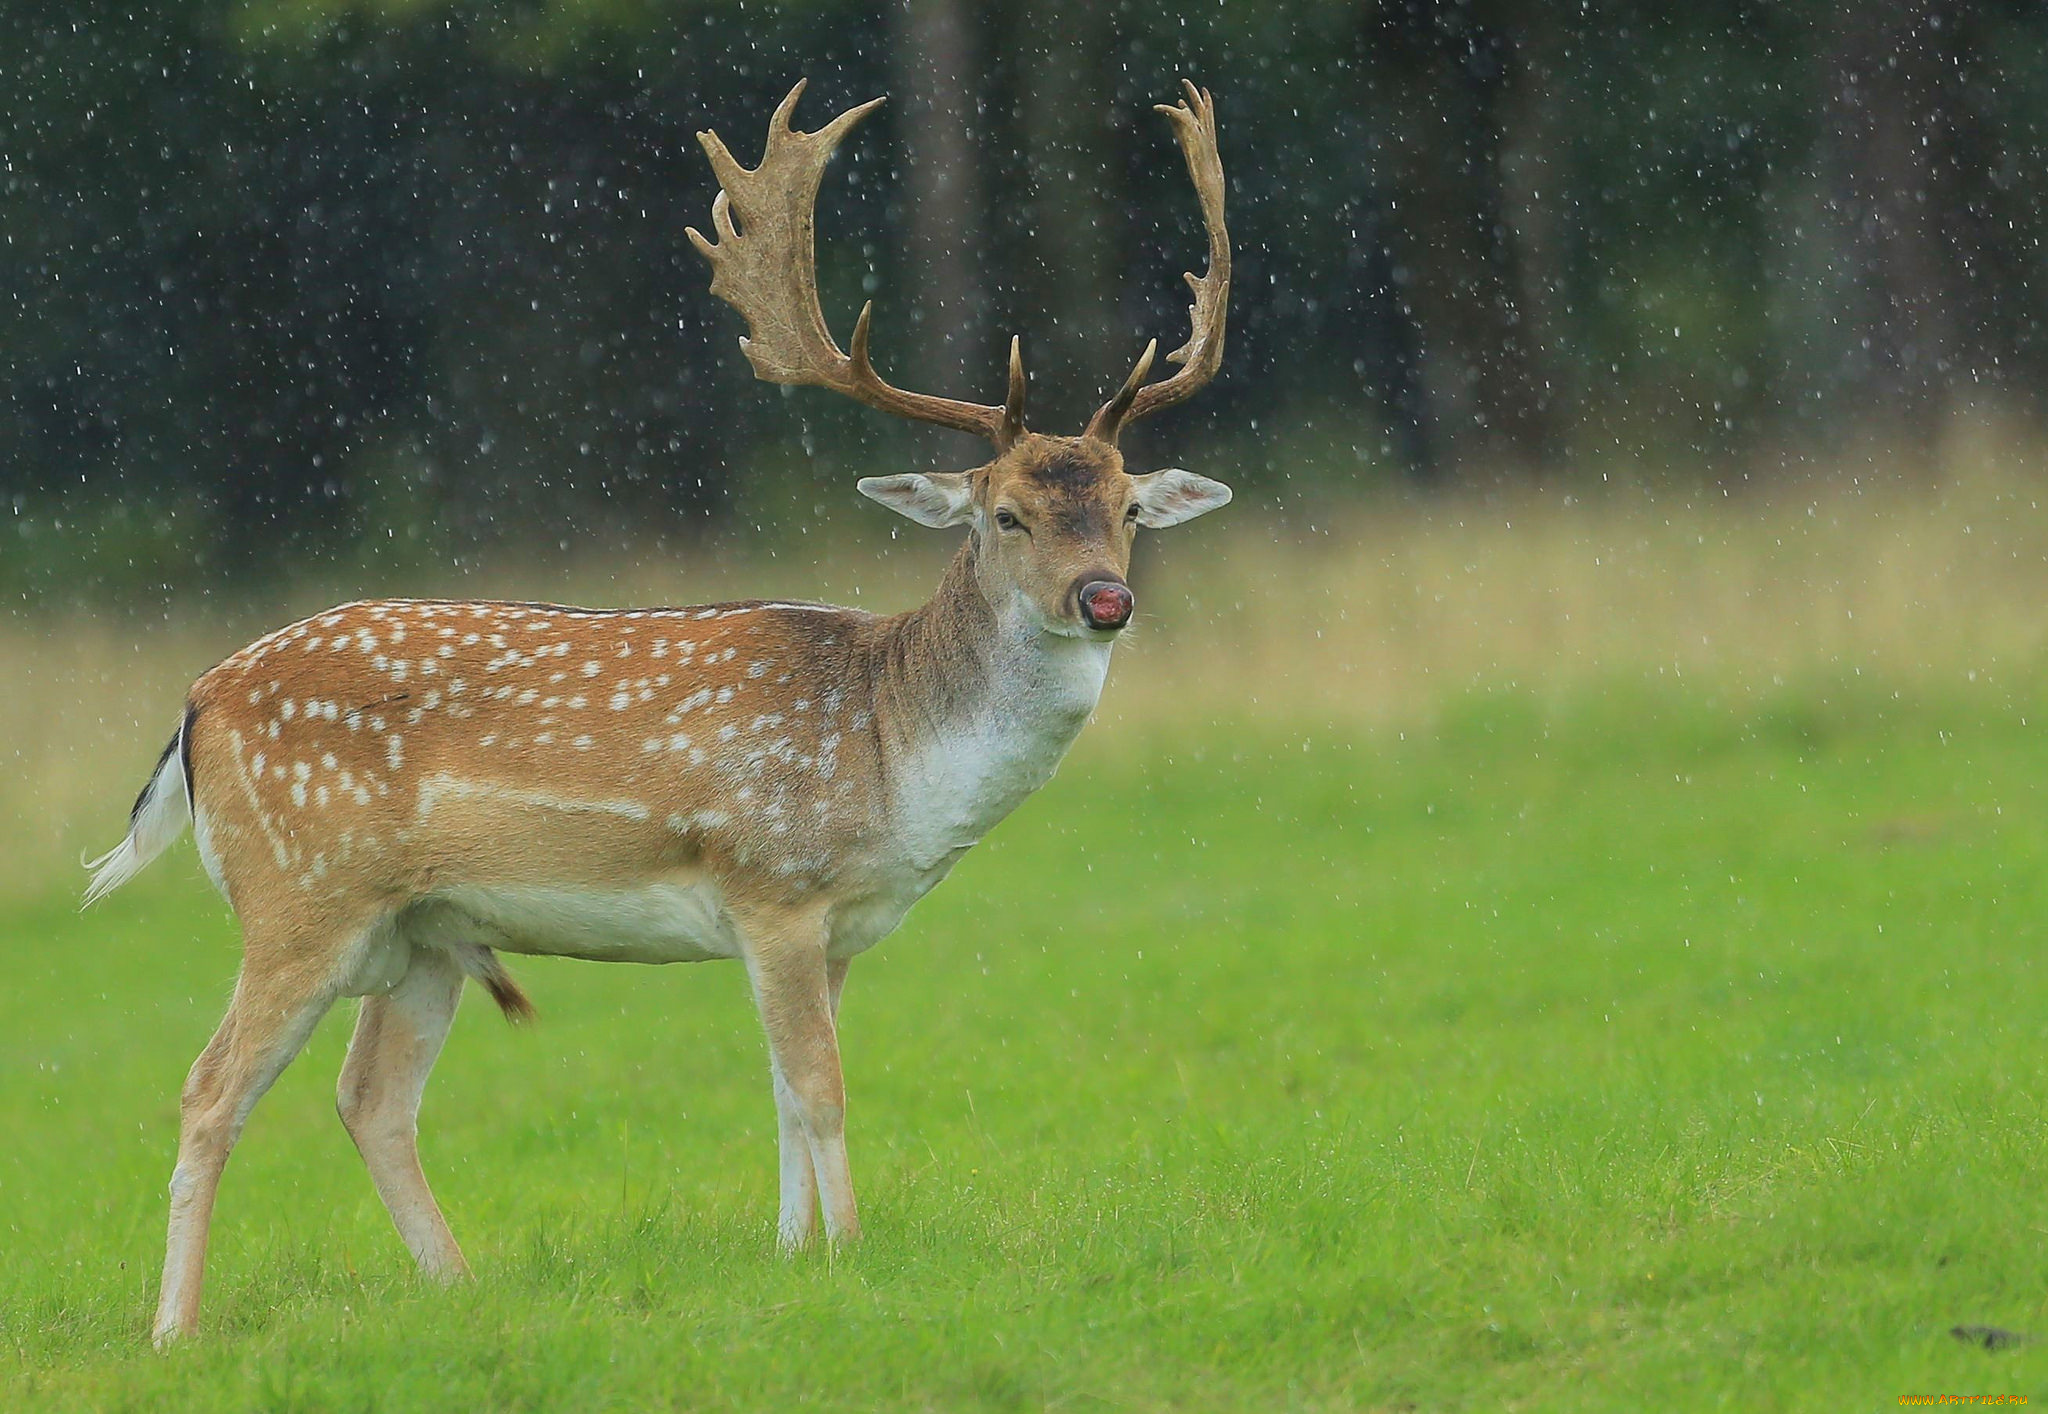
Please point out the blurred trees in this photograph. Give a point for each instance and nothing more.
(299, 270)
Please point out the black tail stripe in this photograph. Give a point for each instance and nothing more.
(135, 812)
(185, 756)
(182, 744)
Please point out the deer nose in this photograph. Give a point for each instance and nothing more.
(1106, 604)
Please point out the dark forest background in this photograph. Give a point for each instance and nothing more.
(292, 280)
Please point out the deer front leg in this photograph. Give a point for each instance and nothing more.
(798, 1214)
(796, 989)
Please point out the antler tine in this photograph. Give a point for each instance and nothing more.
(1013, 405)
(1109, 420)
(765, 266)
(779, 120)
(1194, 127)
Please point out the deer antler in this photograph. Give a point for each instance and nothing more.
(766, 268)
(1194, 125)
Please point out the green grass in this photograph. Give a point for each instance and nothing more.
(1649, 1053)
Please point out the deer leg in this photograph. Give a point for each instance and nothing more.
(799, 1207)
(274, 1010)
(797, 1213)
(398, 1037)
(785, 952)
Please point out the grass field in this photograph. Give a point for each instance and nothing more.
(1640, 1052)
(1564, 954)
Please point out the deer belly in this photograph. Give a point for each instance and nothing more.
(666, 922)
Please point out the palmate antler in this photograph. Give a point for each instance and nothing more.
(765, 266)
(1194, 125)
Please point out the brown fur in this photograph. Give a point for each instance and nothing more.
(371, 783)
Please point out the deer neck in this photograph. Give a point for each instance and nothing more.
(983, 702)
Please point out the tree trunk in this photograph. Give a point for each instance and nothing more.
(1075, 361)
(1461, 230)
(1888, 129)
(1532, 166)
(936, 63)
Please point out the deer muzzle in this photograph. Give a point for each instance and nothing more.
(1106, 604)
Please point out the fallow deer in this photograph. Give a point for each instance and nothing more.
(393, 792)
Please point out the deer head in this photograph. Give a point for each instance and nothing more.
(1051, 518)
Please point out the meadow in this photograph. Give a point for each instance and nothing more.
(1512, 954)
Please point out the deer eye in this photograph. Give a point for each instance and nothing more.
(1006, 519)
(1132, 513)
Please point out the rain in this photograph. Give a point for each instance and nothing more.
(1471, 841)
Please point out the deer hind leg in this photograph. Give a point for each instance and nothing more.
(397, 1039)
(284, 989)
(794, 990)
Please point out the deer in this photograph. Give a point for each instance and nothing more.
(394, 793)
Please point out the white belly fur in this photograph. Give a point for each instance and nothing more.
(666, 922)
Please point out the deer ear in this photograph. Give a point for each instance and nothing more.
(939, 499)
(1171, 496)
